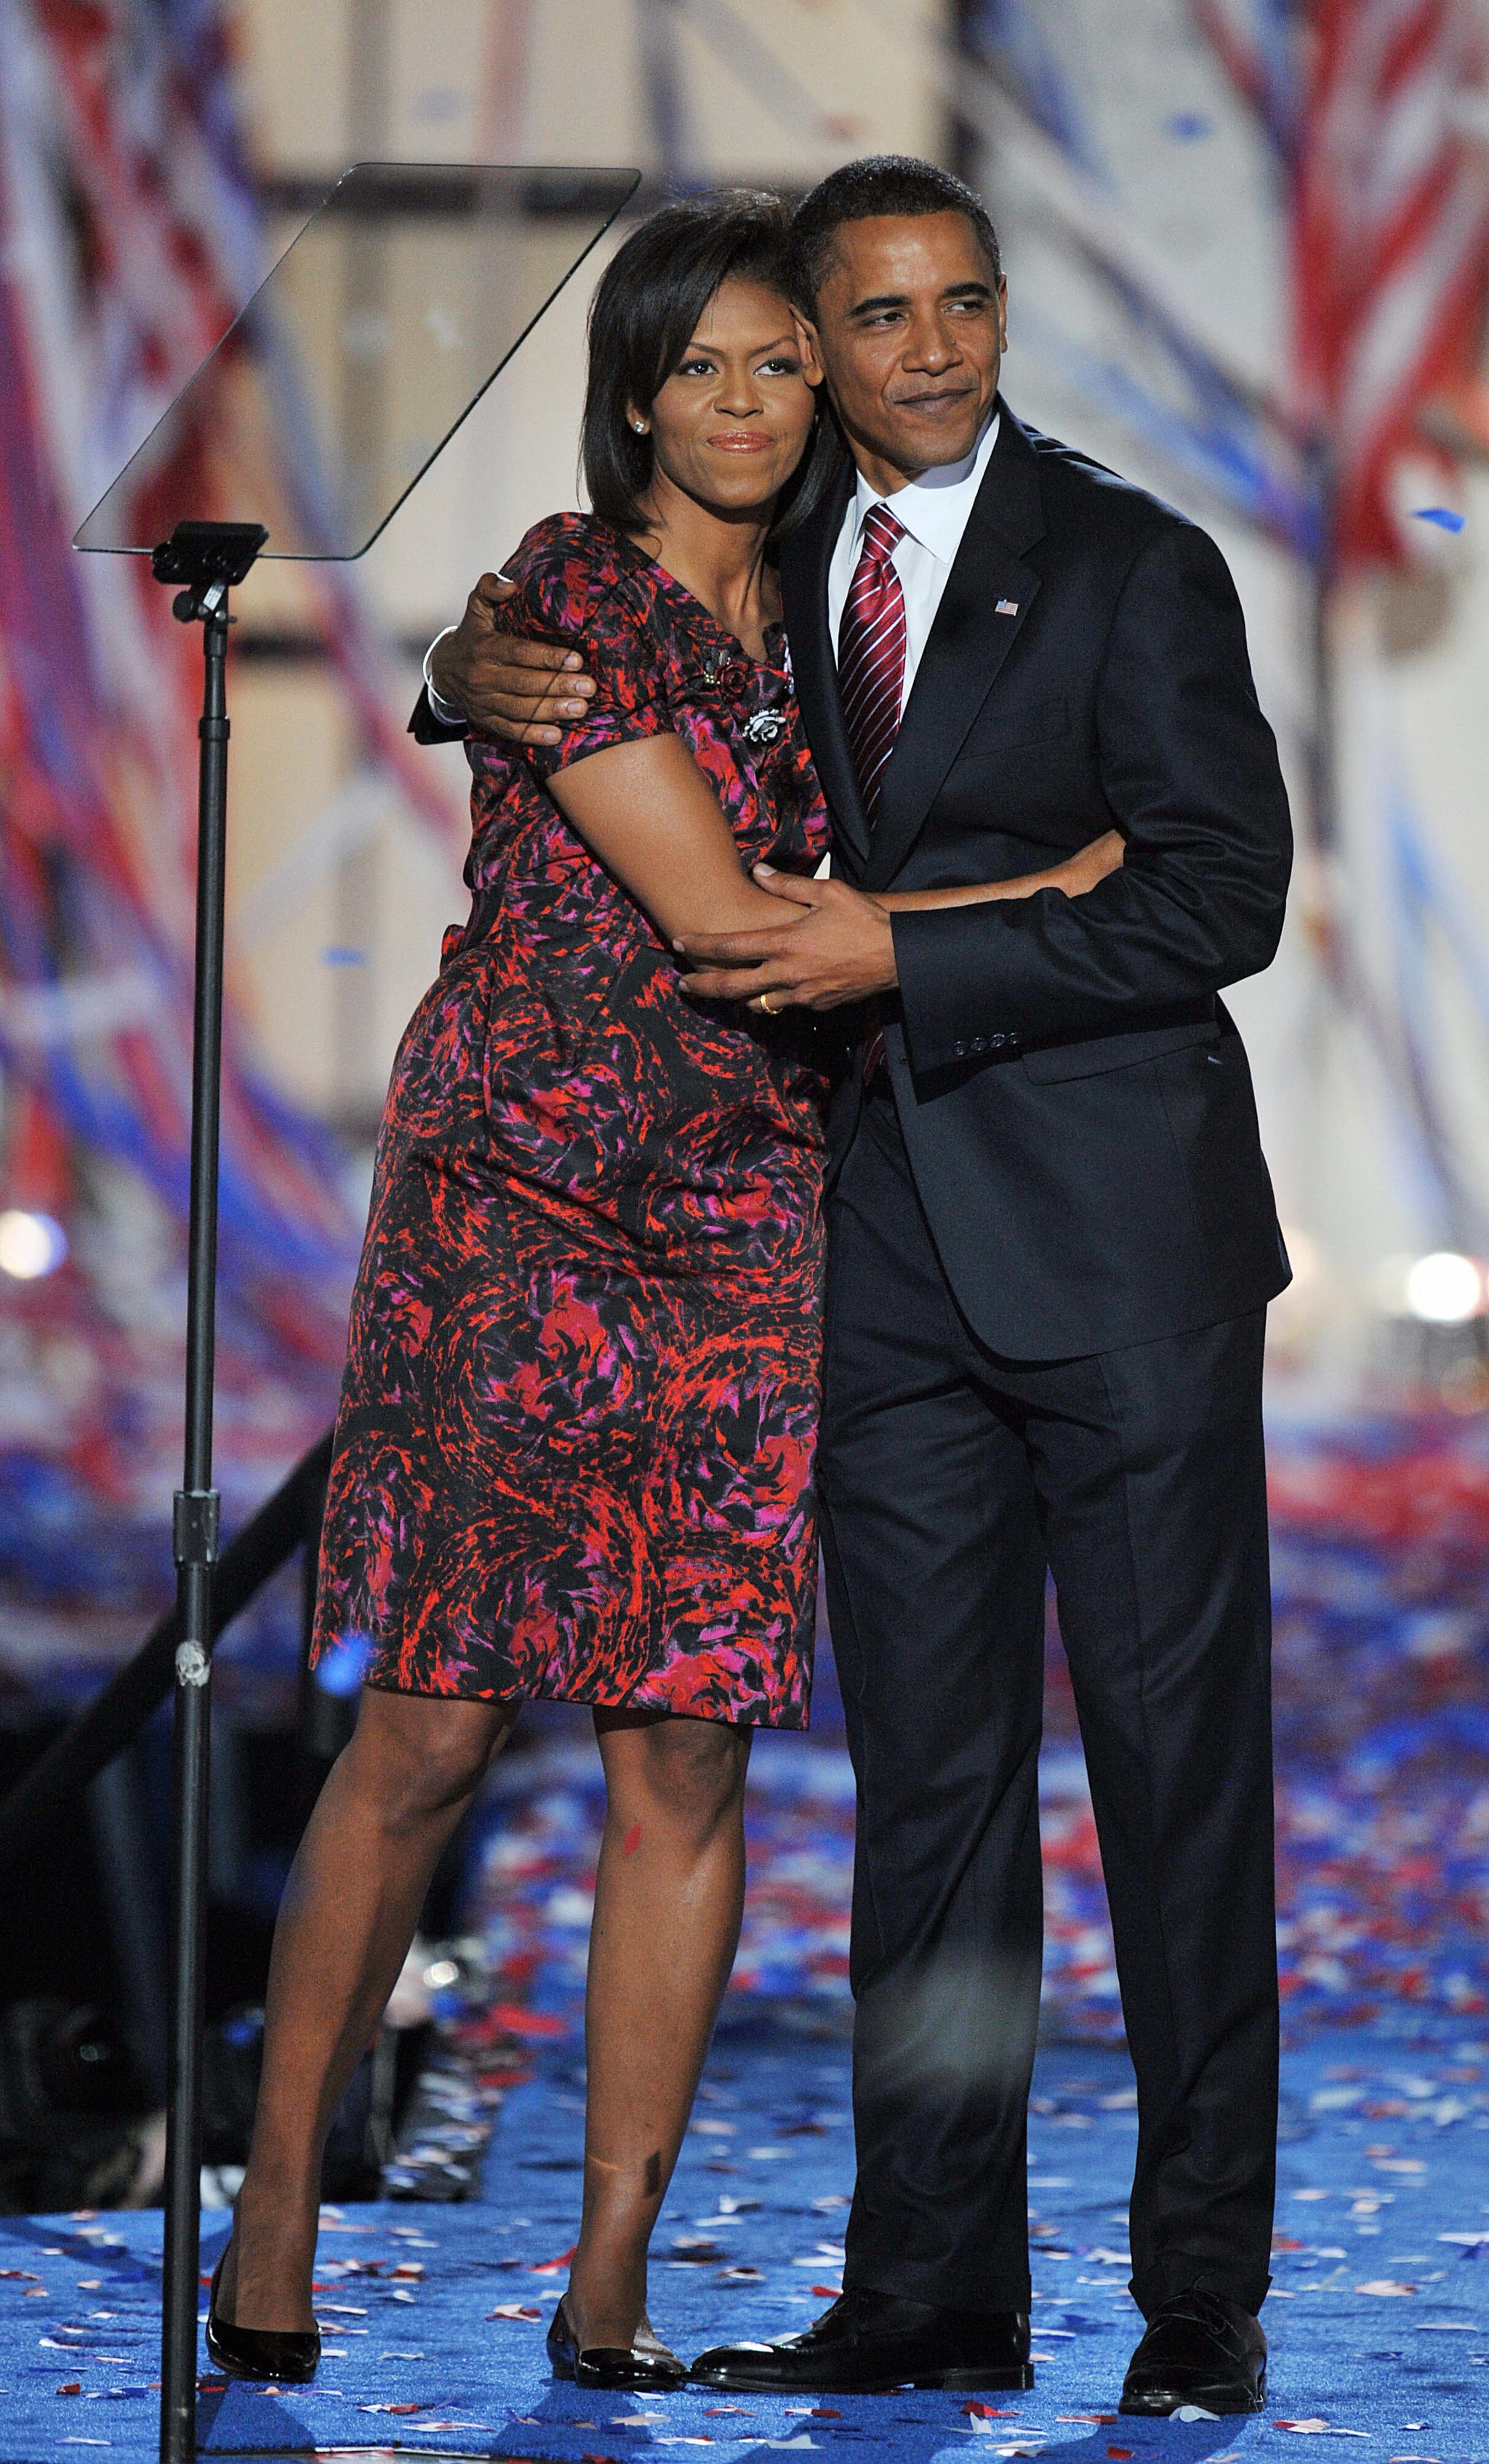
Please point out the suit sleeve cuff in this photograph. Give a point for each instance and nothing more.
(945, 958)
(428, 727)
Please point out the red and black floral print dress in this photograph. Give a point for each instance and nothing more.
(574, 1452)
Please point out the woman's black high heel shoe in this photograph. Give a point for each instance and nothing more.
(284, 2353)
(611, 2365)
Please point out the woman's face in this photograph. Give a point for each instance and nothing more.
(731, 423)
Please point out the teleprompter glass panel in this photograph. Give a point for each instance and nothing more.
(357, 358)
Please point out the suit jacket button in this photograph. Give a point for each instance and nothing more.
(960, 1050)
(997, 1041)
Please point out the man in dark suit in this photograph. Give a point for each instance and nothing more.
(1052, 1243)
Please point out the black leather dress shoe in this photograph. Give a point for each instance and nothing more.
(287, 2355)
(1200, 2348)
(645, 2364)
(869, 2342)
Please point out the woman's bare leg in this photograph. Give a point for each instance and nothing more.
(668, 1900)
(349, 1911)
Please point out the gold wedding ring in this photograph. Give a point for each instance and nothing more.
(767, 1006)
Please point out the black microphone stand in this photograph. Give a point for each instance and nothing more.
(205, 559)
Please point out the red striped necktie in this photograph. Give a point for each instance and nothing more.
(871, 652)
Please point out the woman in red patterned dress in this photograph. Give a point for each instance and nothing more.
(574, 1454)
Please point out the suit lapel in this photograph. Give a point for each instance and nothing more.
(804, 569)
(968, 643)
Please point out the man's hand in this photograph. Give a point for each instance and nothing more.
(502, 685)
(834, 946)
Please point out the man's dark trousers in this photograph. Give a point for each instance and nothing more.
(950, 1477)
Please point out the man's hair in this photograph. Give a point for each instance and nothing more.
(881, 184)
(647, 307)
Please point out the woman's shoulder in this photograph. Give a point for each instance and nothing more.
(576, 575)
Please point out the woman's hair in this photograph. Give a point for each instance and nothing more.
(648, 306)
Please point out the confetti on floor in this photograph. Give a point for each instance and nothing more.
(434, 2317)
(1379, 2318)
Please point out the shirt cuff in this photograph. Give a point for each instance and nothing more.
(445, 712)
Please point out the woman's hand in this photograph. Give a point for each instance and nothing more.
(1079, 873)
(1082, 871)
(838, 945)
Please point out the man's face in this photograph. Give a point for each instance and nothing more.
(910, 328)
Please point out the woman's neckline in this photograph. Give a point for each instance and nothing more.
(773, 632)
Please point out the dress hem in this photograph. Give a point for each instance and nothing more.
(724, 1718)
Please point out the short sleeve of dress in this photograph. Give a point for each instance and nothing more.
(576, 586)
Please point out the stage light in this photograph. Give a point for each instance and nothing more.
(29, 1245)
(339, 1670)
(1445, 1290)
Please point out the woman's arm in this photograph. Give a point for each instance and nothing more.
(649, 815)
(1078, 874)
(647, 811)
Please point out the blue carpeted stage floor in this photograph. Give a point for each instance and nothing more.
(434, 2317)
(1379, 2319)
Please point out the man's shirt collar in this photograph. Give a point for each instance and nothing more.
(935, 507)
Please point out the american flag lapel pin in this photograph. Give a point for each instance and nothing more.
(1006, 608)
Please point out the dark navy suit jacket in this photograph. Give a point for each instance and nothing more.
(1076, 1103)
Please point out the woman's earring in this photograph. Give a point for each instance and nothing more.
(640, 425)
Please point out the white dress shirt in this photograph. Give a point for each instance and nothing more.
(934, 511)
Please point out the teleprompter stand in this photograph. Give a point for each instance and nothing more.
(320, 345)
(205, 559)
